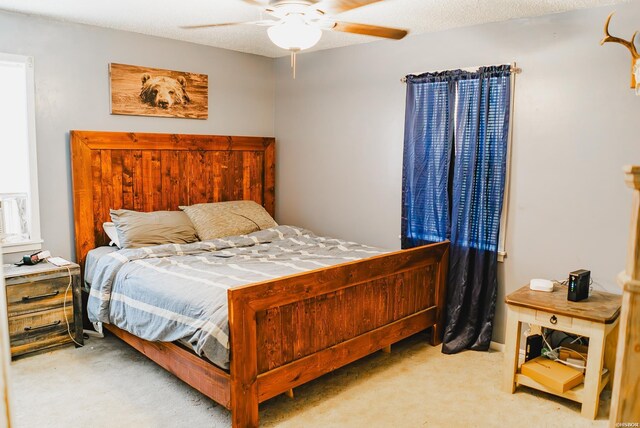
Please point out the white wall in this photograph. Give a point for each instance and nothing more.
(339, 127)
(72, 92)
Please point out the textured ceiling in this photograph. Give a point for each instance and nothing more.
(163, 18)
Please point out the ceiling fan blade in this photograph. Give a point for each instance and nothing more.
(260, 3)
(370, 30)
(333, 7)
(265, 22)
(272, 3)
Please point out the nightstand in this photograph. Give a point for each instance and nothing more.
(40, 303)
(596, 318)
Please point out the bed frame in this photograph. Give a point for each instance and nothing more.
(283, 332)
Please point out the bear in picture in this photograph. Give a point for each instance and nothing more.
(164, 91)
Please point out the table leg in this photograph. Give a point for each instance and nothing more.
(592, 377)
(610, 350)
(511, 350)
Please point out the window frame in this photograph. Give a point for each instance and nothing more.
(35, 238)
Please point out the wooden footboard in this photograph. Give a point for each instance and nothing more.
(290, 330)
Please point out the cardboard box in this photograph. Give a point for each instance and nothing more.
(555, 376)
(568, 353)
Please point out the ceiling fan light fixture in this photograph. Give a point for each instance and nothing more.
(294, 33)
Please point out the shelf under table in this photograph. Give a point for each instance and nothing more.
(574, 394)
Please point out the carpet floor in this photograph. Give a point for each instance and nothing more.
(108, 384)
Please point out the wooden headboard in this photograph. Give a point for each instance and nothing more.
(152, 172)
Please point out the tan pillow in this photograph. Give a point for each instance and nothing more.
(221, 219)
(138, 229)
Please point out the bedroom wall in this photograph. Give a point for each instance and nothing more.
(72, 92)
(339, 127)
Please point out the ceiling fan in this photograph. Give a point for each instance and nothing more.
(297, 24)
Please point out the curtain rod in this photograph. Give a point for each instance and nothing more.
(514, 70)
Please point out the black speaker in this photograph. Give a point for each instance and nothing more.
(579, 285)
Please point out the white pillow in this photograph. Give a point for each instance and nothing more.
(112, 233)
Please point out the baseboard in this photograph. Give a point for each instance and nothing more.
(495, 346)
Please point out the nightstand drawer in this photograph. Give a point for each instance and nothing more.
(37, 296)
(556, 321)
(40, 330)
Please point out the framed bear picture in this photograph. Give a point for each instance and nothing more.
(145, 91)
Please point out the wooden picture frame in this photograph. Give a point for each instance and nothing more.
(145, 91)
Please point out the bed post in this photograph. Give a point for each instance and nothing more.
(441, 299)
(83, 186)
(269, 200)
(244, 371)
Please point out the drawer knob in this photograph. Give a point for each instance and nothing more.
(40, 296)
(553, 320)
(42, 327)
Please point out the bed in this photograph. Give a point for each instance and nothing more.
(283, 331)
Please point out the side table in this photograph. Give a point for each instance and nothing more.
(43, 306)
(595, 318)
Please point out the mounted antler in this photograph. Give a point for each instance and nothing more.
(628, 44)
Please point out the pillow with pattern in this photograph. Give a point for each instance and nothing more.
(220, 219)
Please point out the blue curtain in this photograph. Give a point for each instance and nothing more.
(427, 154)
(470, 208)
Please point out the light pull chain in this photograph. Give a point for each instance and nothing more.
(294, 53)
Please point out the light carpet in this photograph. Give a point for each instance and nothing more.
(108, 384)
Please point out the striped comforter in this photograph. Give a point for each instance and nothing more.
(178, 292)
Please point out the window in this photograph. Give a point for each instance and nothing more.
(439, 141)
(19, 212)
(503, 216)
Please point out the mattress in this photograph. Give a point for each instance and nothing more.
(179, 292)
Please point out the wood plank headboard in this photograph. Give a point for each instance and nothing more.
(152, 172)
